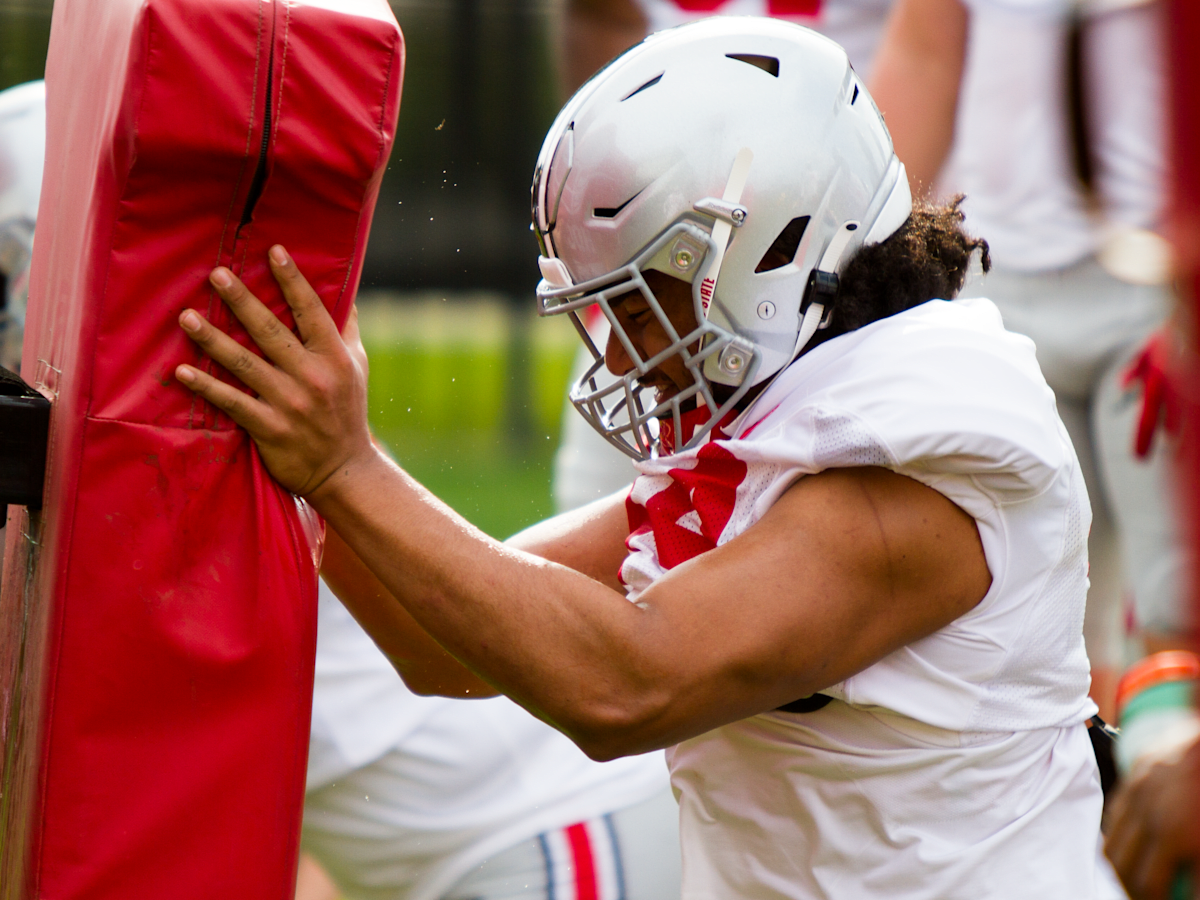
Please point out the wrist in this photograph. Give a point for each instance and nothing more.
(342, 480)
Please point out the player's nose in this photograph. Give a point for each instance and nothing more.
(616, 357)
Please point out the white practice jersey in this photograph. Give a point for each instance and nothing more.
(482, 775)
(958, 766)
(855, 24)
(1012, 153)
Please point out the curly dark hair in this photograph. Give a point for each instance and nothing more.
(925, 259)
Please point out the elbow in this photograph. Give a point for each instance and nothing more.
(607, 751)
(458, 684)
(609, 731)
(425, 687)
(607, 746)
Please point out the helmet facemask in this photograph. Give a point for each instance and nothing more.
(625, 411)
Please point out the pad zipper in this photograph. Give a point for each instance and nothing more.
(260, 171)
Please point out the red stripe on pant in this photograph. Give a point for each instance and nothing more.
(774, 7)
(585, 866)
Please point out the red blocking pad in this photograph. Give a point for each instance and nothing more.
(157, 623)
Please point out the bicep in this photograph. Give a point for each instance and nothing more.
(848, 566)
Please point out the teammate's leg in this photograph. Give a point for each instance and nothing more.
(630, 854)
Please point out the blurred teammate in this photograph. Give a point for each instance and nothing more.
(1154, 828)
(421, 798)
(22, 149)
(855, 553)
(597, 30)
(1060, 155)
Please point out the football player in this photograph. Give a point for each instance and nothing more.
(846, 590)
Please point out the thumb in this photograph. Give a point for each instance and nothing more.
(352, 338)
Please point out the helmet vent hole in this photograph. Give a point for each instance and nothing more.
(649, 84)
(855, 97)
(768, 64)
(784, 248)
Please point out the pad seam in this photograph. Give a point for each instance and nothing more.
(206, 364)
(387, 82)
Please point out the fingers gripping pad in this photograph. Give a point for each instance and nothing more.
(157, 625)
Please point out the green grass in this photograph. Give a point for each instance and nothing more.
(446, 396)
(494, 488)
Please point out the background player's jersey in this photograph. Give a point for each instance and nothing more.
(959, 764)
(855, 24)
(1012, 153)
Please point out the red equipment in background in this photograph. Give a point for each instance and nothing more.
(157, 626)
(1184, 38)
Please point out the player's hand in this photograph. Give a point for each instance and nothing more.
(309, 417)
(1154, 828)
(1156, 367)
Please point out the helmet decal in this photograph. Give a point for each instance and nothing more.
(649, 84)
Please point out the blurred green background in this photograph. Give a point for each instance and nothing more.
(467, 384)
(441, 372)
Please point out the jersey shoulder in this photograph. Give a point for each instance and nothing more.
(941, 388)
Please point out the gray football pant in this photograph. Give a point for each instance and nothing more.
(643, 842)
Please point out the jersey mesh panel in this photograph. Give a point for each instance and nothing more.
(843, 441)
(759, 478)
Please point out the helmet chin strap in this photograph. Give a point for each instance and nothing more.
(822, 287)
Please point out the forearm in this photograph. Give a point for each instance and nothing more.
(915, 83)
(426, 667)
(570, 649)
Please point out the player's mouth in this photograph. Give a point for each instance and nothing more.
(664, 388)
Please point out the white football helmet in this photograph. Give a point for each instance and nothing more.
(695, 153)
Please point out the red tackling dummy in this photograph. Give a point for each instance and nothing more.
(157, 626)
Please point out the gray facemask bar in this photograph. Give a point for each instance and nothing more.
(618, 411)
